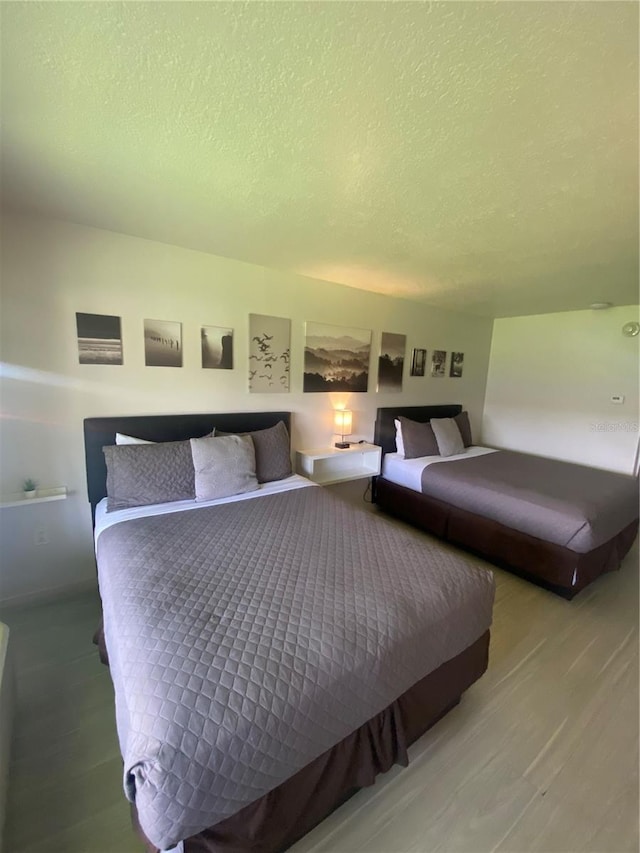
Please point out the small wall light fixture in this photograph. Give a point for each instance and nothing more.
(342, 422)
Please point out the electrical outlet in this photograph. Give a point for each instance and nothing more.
(40, 536)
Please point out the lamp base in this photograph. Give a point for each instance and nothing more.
(342, 445)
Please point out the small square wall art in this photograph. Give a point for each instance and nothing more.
(269, 354)
(457, 361)
(418, 362)
(162, 343)
(99, 339)
(438, 362)
(216, 344)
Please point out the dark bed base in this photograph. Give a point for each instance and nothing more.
(542, 562)
(274, 822)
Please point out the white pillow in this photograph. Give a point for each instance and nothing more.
(399, 441)
(121, 438)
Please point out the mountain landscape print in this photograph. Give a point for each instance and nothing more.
(336, 358)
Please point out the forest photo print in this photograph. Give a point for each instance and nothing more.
(336, 358)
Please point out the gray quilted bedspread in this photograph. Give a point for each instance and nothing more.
(566, 504)
(247, 639)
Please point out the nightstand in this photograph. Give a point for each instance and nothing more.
(329, 465)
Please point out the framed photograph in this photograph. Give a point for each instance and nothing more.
(438, 362)
(162, 343)
(269, 354)
(418, 362)
(216, 344)
(336, 358)
(455, 368)
(391, 361)
(99, 339)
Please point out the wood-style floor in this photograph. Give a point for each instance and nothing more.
(541, 754)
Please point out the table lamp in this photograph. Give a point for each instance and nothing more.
(342, 420)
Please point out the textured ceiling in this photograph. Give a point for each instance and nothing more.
(477, 156)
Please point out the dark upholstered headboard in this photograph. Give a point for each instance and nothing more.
(385, 431)
(98, 432)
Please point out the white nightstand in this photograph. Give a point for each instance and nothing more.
(329, 465)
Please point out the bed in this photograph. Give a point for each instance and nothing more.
(271, 652)
(556, 523)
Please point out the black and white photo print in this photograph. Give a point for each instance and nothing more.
(217, 347)
(391, 361)
(99, 339)
(439, 362)
(457, 361)
(162, 343)
(418, 362)
(336, 358)
(269, 354)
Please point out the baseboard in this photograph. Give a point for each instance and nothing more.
(42, 596)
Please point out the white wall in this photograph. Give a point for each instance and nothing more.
(53, 269)
(551, 378)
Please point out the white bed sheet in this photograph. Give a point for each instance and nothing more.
(106, 519)
(408, 472)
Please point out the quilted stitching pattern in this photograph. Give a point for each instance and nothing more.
(571, 505)
(247, 639)
(223, 466)
(462, 419)
(140, 474)
(418, 439)
(273, 453)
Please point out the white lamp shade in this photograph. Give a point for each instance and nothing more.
(342, 420)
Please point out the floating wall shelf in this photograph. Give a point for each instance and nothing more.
(42, 496)
(330, 465)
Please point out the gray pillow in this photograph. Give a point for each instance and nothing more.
(223, 466)
(418, 439)
(462, 420)
(273, 456)
(141, 474)
(448, 436)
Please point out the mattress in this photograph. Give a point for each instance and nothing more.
(408, 472)
(569, 505)
(247, 638)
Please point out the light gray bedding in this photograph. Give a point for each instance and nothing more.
(566, 504)
(247, 639)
